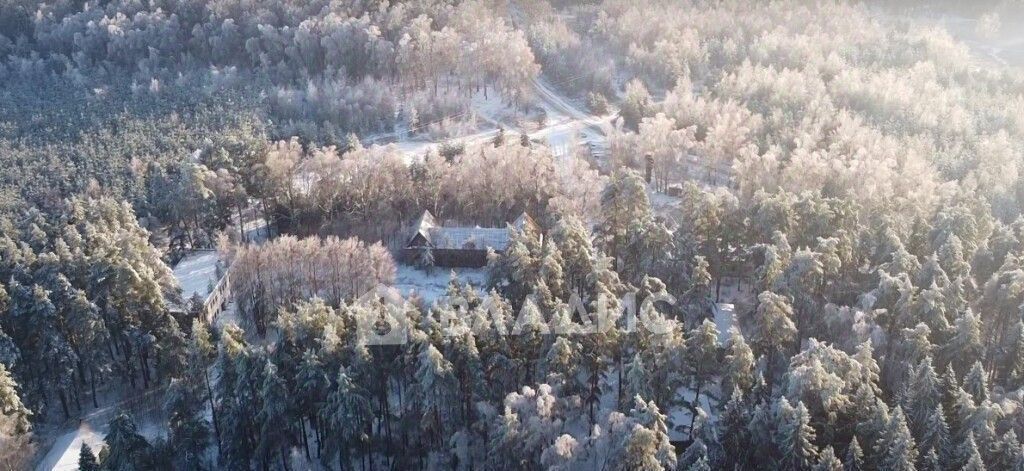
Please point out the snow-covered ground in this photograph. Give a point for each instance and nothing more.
(92, 428)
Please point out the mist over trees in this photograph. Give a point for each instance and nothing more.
(847, 180)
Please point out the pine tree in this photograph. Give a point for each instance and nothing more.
(828, 461)
(188, 430)
(774, 330)
(950, 388)
(1014, 358)
(930, 308)
(624, 205)
(896, 449)
(1005, 451)
(700, 465)
(639, 452)
(869, 369)
(930, 461)
(702, 358)
(795, 436)
(922, 396)
(434, 382)
(733, 432)
(970, 450)
(965, 347)
(87, 460)
(274, 426)
(647, 415)
(976, 383)
(934, 435)
(562, 363)
(10, 403)
(694, 454)
(348, 414)
(873, 417)
(960, 418)
(311, 385)
(125, 449)
(699, 296)
(637, 382)
(739, 363)
(854, 457)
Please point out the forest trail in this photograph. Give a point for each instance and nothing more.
(92, 429)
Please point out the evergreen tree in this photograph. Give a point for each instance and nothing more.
(188, 430)
(637, 381)
(976, 383)
(733, 432)
(873, 417)
(970, 450)
(739, 363)
(1005, 451)
(10, 403)
(930, 461)
(700, 465)
(1013, 361)
(125, 449)
(869, 370)
(934, 435)
(896, 449)
(702, 359)
(311, 384)
(827, 461)
(647, 415)
(795, 436)
(624, 204)
(87, 460)
(922, 396)
(774, 331)
(965, 347)
(348, 414)
(950, 388)
(854, 457)
(562, 364)
(699, 297)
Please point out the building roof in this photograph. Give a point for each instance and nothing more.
(196, 272)
(464, 238)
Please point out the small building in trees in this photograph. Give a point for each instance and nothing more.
(203, 276)
(433, 244)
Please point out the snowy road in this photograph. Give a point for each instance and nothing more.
(565, 126)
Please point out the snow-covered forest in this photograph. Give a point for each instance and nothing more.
(826, 199)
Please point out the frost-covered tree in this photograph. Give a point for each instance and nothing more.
(896, 448)
(15, 413)
(795, 436)
(774, 331)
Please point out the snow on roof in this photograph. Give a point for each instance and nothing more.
(196, 272)
(469, 238)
